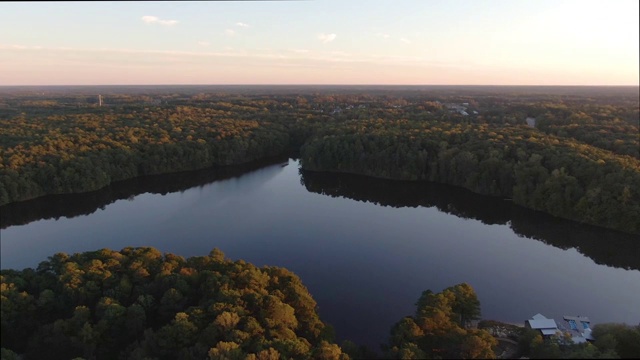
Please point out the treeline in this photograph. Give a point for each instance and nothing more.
(560, 176)
(72, 205)
(77, 153)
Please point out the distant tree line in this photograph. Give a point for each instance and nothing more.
(580, 162)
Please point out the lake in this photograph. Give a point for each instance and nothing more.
(365, 248)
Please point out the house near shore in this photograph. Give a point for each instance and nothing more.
(547, 327)
(577, 327)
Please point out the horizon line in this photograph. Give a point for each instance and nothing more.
(276, 84)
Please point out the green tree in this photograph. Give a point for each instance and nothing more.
(438, 329)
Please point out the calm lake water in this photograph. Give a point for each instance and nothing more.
(365, 248)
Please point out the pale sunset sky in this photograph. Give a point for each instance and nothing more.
(417, 42)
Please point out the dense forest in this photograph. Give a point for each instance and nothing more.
(569, 152)
(70, 153)
(138, 303)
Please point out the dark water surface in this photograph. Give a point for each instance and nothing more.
(366, 248)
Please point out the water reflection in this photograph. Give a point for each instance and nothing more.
(603, 246)
(73, 205)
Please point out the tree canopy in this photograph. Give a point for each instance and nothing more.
(440, 328)
(139, 303)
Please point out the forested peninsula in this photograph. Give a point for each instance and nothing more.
(569, 152)
(138, 303)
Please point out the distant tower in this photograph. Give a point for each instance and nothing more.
(99, 100)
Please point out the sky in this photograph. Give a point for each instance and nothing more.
(413, 42)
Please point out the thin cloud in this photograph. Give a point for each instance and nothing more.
(405, 40)
(241, 24)
(21, 47)
(229, 32)
(334, 57)
(204, 43)
(384, 36)
(326, 38)
(299, 51)
(156, 20)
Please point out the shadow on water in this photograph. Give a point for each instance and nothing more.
(603, 246)
(73, 205)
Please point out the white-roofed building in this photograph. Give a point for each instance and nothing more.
(547, 327)
(578, 327)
